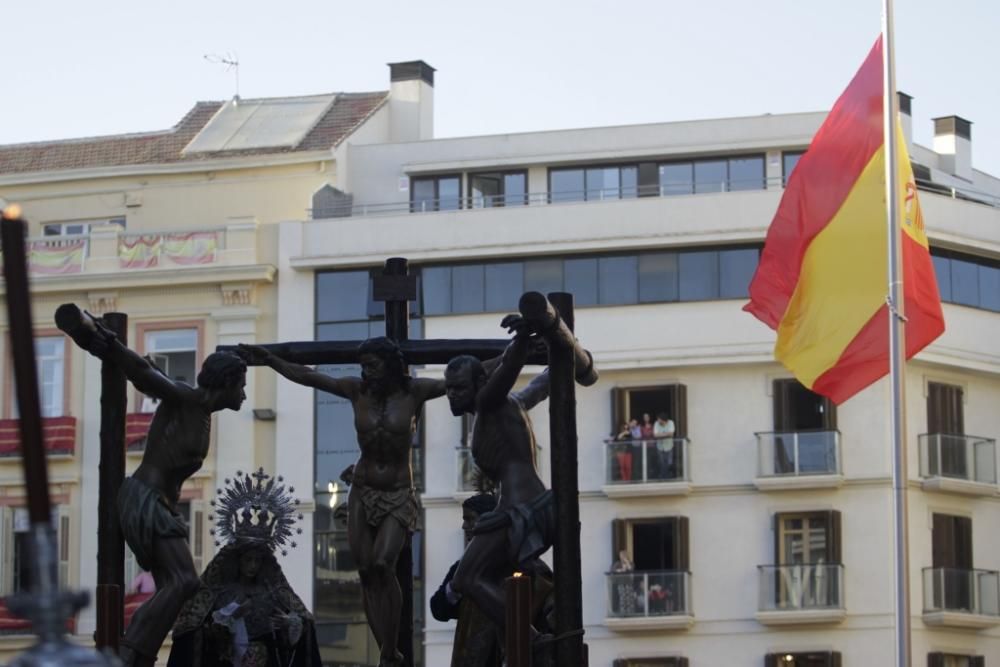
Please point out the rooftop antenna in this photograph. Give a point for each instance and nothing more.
(232, 63)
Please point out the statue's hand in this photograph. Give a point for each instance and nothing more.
(254, 355)
(516, 325)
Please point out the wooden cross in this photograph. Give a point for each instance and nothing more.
(396, 288)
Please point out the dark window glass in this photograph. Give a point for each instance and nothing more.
(603, 183)
(504, 286)
(543, 276)
(580, 277)
(566, 185)
(618, 280)
(437, 290)
(746, 173)
(942, 270)
(342, 295)
(710, 176)
(989, 287)
(630, 182)
(422, 194)
(736, 269)
(964, 283)
(449, 193)
(699, 275)
(788, 162)
(515, 189)
(487, 190)
(467, 289)
(676, 179)
(658, 277)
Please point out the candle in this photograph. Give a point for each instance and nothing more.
(517, 594)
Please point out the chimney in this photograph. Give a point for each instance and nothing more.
(906, 118)
(411, 101)
(953, 143)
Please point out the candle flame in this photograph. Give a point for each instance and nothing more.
(518, 574)
(12, 212)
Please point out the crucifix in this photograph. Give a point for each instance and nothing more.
(552, 319)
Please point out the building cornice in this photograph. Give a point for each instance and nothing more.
(139, 278)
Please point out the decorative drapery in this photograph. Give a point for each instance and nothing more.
(145, 251)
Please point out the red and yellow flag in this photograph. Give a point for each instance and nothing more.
(822, 278)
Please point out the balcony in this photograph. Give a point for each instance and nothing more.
(802, 593)
(58, 433)
(963, 464)
(653, 467)
(798, 460)
(961, 598)
(136, 428)
(650, 600)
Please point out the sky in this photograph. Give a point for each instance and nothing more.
(74, 69)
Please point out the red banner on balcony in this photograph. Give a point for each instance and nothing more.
(139, 252)
(136, 428)
(59, 434)
(192, 248)
(49, 258)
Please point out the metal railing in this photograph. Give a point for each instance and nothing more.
(965, 457)
(797, 453)
(649, 593)
(965, 591)
(804, 586)
(640, 461)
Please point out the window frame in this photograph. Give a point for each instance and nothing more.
(503, 174)
(437, 178)
(144, 328)
(785, 174)
(831, 658)
(67, 360)
(585, 193)
(727, 159)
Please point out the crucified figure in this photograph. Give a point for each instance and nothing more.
(382, 504)
(176, 447)
(522, 526)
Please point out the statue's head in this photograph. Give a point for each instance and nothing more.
(251, 561)
(226, 374)
(381, 361)
(463, 378)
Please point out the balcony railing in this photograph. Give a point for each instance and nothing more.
(58, 433)
(646, 461)
(808, 586)
(649, 594)
(974, 592)
(798, 453)
(962, 457)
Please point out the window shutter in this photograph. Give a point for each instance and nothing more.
(977, 661)
(619, 410)
(682, 662)
(680, 411)
(619, 662)
(619, 537)
(63, 542)
(943, 542)
(963, 542)
(682, 544)
(834, 659)
(935, 660)
(944, 409)
(776, 527)
(833, 547)
(829, 415)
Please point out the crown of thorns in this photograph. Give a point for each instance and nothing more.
(255, 509)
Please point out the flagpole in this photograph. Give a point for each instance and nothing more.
(897, 345)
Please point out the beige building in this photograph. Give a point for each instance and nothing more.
(759, 533)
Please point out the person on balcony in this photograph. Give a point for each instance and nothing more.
(664, 430)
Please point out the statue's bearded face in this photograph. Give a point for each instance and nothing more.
(461, 389)
(373, 368)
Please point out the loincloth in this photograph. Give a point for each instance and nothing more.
(400, 504)
(145, 515)
(531, 527)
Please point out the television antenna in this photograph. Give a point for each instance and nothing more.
(232, 63)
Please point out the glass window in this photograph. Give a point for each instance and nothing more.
(342, 295)
(436, 284)
(515, 189)
(746, 173)
(174, 351)
(630, 182)
(580, 277)
(487, 190)
(699, 275)
(566, 185)
(658, 277)
(989, 287)
(543, 276)
(49, 355)
(710, 176)
(504, 286)
(964, 283)
(618, 280)
(422, 194)
(467, 287)
(602, 184)
(449, 193)
(435, 193)
(942, 270)
(676, 179)
(736, 269)
(789, 160)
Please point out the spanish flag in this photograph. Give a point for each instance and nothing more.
(823, 275)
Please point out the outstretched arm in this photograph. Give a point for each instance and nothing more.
(536, 391)
(256, 355)
(426, 389)
(502, 379)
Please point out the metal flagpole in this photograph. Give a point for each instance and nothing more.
(897, 343)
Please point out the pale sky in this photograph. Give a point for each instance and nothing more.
(74, 69)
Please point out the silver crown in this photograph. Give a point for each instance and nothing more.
(255, 509)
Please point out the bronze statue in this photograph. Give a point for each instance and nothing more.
(245, 613)
(387, 403)
(522, 526)
(176, 446)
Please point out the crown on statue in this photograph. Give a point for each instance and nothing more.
(255, 509)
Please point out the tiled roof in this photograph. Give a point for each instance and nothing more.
(165, 147)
